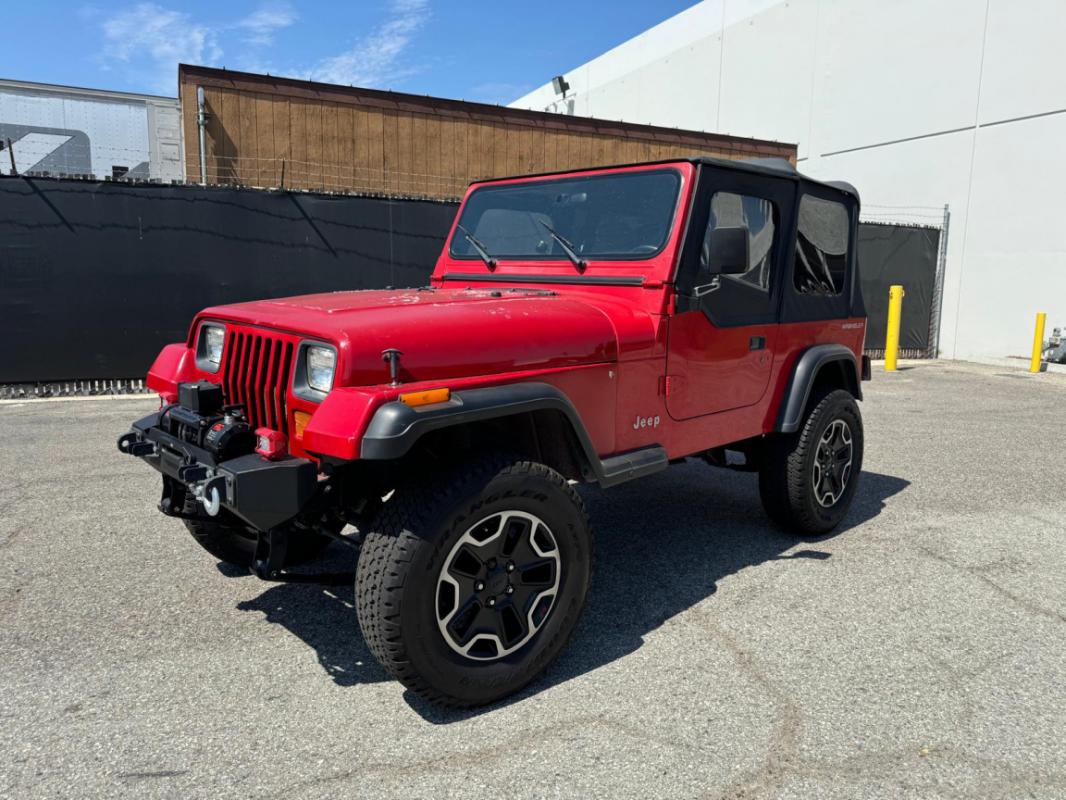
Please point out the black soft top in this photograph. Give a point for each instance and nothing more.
(775, 167)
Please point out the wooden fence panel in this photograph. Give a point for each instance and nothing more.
(349, 139)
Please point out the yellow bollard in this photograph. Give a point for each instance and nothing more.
(1038, 342)
(895, 311)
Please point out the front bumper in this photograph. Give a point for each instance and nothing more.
(262, 493)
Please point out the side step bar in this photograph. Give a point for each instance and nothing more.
(634, 464)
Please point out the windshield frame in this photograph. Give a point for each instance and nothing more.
(561, 258)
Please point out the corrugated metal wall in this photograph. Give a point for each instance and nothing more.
(271, 132)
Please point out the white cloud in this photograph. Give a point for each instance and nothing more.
(259, 26)
(148, 41)
(375, 59)
(148, 38)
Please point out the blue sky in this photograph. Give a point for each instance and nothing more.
(476, 50)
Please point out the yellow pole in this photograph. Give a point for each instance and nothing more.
(895, 310)
(1038, 342)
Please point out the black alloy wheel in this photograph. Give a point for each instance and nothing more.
(498, 585)
(472, 579)
(832, 464)
(807, 479)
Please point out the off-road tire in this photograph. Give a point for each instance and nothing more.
(785, 478)
(403, 555)
(228, 540)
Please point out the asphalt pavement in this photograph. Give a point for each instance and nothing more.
(919, 652)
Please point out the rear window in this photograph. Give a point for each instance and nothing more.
(612, 216)
(821, 247)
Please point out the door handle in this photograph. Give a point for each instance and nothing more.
(757, 343)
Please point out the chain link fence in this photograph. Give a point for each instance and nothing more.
(120, 165)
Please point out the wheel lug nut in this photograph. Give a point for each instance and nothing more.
(510, 590)
(492, 601)
(510, 566)
(479, 586)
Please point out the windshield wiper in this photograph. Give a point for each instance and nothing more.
(490, 262)
(568, 248)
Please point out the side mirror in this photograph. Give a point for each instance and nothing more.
(726, 251)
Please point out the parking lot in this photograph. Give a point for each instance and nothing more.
(918, 652)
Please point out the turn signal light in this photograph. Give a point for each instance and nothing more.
(427, 397)
(300, 420)
(270, 444)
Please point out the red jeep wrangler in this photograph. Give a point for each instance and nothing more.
(590, 326)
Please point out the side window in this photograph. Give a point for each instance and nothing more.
(821, 247)
(747, 297)
(730, 210)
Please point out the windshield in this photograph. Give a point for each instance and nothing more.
(622, 215)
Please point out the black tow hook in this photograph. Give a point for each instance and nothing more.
(192, 473)
(133, 445)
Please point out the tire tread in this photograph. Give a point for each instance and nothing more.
(389, 549)
(783, 480)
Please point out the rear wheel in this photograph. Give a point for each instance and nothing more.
(228, 540)
(808, 479)
(472, 580)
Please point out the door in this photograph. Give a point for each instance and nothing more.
(722, 338)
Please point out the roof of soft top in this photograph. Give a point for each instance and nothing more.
(778, 167)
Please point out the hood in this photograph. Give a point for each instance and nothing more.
(442, 333)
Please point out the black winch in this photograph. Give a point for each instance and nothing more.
(200, 418)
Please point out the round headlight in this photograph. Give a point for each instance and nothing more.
(321, 364)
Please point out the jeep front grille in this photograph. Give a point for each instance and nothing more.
(256, 373)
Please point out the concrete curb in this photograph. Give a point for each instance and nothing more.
(84, 398)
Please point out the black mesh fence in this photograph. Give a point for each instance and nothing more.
(895, 253)
(96, 277)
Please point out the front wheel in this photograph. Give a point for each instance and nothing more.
(473, 579)
(808, 479)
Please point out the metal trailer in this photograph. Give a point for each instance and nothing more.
(63, 130)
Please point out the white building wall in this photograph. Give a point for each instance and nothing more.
(68, 130)
(918, 104)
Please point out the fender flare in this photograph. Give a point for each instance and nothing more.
(396, 426)
(800, 382)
